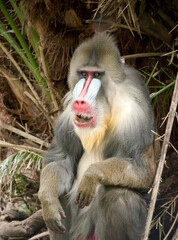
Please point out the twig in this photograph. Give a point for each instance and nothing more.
(17, 88)
(165, 210)
(173, 28)
(40, 104)
(40, 235)
(175, 237)
(171, 227)
(127, 22)
(20, 147)
(20, 71)
(47, 79)
(169, 53)
(138, 55)
(164, 120)
(160, 138)
(162, 158)
(25, 135)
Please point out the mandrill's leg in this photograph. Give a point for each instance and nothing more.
(121, 214)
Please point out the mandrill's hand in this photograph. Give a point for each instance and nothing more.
(52, 214)
(86, 190)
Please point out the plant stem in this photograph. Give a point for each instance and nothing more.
(160, 167)
(153, 95)
(32, 65)
(18, 34)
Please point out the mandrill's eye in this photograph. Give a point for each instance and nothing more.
(96, 75)
(84, 75)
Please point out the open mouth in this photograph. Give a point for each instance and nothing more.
(83, 120)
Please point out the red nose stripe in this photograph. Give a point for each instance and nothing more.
(86, 85)
(80, 104)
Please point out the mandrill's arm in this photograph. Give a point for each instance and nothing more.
(58, 172)
(50, 188)
(122, 172)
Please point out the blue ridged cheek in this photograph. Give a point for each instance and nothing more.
(78, 88)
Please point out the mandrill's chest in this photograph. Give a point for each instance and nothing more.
(86, 160)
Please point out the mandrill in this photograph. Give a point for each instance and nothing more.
(101, 161)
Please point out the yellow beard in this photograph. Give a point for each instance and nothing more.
(93, 137)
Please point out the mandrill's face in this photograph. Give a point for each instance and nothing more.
(84, 97)
(95, 71)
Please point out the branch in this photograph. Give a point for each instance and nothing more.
(175, 220)
(162, 158)
(40, 235)
(20, 147)
(22, 229)
(25, 135)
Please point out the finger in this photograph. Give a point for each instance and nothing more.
(56, 226)
(60, 226)
(83, 202)
(62, 213)
(87, 201)
(80, 198)
(52, 226)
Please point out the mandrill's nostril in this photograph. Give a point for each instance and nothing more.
(80, 105)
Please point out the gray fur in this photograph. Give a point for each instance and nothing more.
(116, 213)
(92, 54)
(128, 213)
(129, 142)
(65, 151)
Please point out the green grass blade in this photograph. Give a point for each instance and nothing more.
(16, 46)
(167, 94)
(167, 74)
(17, 10)
(32, 65)
(150, 76)
(18, 34)
(34, 37)
(154, 102)
(162, 83)
(153, 95)
(33, 70)
(172, 63)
